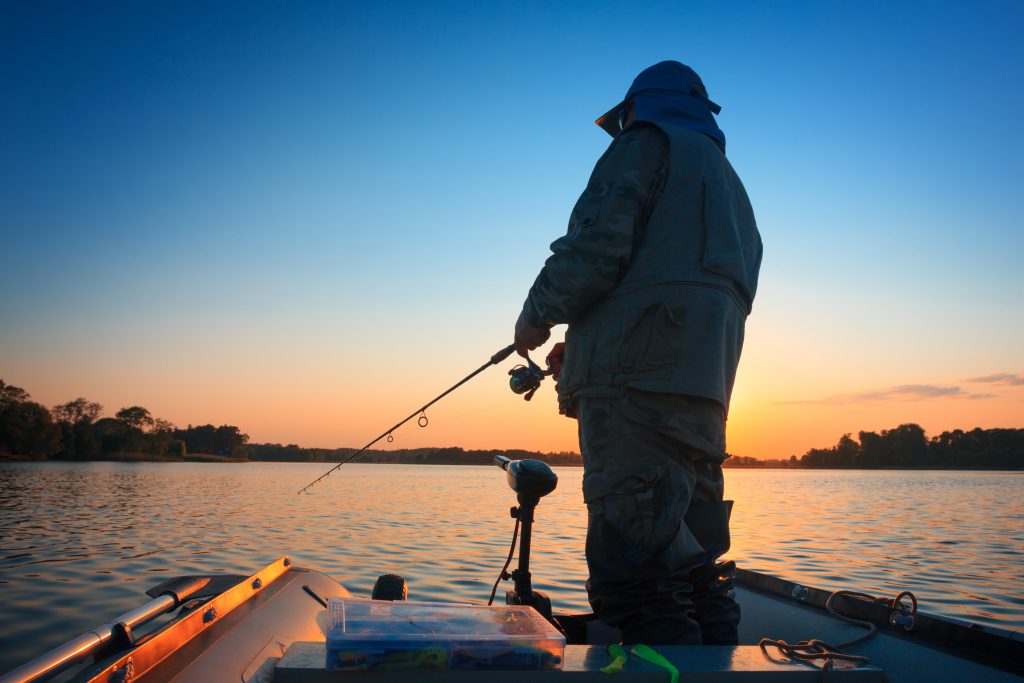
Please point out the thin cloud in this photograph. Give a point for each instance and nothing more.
(904, 392)
(1004, 378)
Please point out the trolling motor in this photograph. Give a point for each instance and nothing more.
(526, 379)
(531, 480)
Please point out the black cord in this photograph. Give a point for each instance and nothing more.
(508, 561)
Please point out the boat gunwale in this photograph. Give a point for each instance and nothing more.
(992, 646)
(168, 640)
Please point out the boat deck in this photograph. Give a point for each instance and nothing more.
(902, 659)
(891, 658)
(270, 628)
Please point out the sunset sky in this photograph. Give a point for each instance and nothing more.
(307, 219)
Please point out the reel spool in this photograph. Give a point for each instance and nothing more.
(526, 379)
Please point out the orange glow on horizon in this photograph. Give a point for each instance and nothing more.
(318, 397)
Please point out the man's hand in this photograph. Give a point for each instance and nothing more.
(529, 337)
(556, 356)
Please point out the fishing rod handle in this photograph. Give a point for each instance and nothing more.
(503, 354)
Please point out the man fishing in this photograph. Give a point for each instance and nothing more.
(655, 279)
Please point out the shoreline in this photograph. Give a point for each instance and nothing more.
(420, 460)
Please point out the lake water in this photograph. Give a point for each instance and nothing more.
(80, 543)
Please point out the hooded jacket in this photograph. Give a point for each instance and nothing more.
(657, 273)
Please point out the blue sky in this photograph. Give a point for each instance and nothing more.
(226, 210)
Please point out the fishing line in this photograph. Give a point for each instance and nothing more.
(421, 412)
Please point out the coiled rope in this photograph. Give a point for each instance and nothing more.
(818, 650)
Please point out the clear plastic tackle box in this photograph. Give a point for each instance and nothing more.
(381, 634)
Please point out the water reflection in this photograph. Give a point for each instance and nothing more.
(79, 543)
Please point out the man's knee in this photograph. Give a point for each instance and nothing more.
(637, 512)
(638, 548)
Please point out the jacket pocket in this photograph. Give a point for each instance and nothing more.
(637, 511)
(732, 246)
(579, 347)
(652, 338)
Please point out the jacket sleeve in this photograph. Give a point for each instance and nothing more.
(606, 224)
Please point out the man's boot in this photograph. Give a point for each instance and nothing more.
(713, 596)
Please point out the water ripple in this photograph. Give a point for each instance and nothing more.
(95, 535)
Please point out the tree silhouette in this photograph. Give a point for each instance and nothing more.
(135, 417)
(77, 410)
(10, 394)
(26, 427)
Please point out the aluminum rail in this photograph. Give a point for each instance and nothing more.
(59, 658)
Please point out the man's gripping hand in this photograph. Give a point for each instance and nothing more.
(528, 337)
(556, 356)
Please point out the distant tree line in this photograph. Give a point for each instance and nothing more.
(907, 446)
(747, 461)
(76, 431)
(408, 456)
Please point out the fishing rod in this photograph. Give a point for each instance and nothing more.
(524, 379)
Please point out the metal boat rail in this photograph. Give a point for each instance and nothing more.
(117, 633)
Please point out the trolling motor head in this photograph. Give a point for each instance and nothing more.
(530, 479)
(526, 379)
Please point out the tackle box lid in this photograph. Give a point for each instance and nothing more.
(359, 620)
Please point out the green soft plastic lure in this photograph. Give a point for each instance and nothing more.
(619, 658)
(651, 656)
(642, 652)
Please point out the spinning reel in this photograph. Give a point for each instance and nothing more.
(526, 379)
